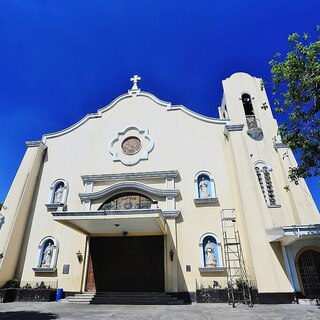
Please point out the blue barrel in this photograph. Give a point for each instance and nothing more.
(59, 294)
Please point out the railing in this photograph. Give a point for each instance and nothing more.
(252, 122)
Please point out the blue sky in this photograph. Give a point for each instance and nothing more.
(60, 60)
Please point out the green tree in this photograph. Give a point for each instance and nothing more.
(296, 89)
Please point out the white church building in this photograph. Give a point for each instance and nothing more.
(134, 198)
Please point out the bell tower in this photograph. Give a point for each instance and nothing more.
(245, 102)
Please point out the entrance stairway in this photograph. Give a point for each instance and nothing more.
(139, 298)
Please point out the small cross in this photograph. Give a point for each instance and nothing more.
(135, 80)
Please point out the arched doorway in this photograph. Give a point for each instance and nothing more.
(308, 267)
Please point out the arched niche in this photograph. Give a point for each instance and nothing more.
(47, 255)
(207, 241)
(204, 188)
(59, 190)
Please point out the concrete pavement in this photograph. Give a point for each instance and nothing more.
(56, 310)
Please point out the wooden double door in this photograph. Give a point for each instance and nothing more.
(126, 264)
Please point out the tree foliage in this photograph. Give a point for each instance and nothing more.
(296, 89)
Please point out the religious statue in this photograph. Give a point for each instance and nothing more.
(203, 187)
(211, 260)
(128, 204)
(47, 256)
(58, 194)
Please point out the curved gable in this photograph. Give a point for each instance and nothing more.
(133, 95)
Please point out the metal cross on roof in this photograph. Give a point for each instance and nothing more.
(135, 80)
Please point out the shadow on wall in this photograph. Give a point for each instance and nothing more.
(27, 229)
(27, 315)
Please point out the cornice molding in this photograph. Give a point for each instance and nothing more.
(44, 270)
(171, 214)
(211, 269)
(133, 94)
(36, 143)
(128, 186)
(205, 200)
(197, 116)
(170, 174)
(279, 145)
(234, 127)
(105, 213)
(98, 114)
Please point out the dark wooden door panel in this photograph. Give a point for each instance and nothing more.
(90, 284)
(128, 263)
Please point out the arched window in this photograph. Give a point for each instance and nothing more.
(127, 201)
(264, 178)
(47, 255)
(58, 194)
(204, 187)
(210, 253)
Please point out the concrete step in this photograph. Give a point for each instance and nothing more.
(138, 302)
(141, 298)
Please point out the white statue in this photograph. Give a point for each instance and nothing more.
(203, 186)
(211, 260)
(58, 194)
(47, 256)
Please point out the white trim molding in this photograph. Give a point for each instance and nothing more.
(196, 115)
(170, 174)
(128, 186)
(133, 94)
(130, 95)
(289, 234)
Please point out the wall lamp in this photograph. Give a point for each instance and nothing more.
(171, 254)
(79, 256)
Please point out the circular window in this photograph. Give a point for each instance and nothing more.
(131, 145)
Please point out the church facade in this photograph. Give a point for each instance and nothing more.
(134, 198)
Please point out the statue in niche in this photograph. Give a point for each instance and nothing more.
(58, 194)
(47, 256)
(211, 260)
(203, 187)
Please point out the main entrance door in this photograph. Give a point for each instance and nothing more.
(126, 264)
